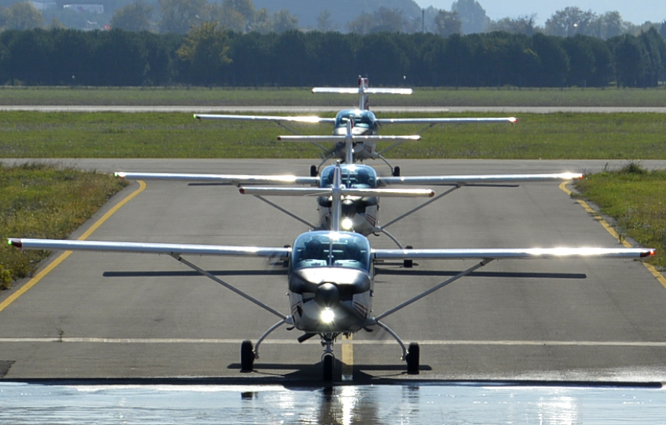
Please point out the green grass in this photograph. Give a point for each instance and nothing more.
(636, 199)
(177, 135)
(39, 201)
(290, 96)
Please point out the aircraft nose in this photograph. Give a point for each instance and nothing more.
(327, 295)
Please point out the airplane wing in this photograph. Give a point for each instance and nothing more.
(235, 179)
(150, 248)
(476, 179)
(512, 253)
(434, 121)
(302, 119)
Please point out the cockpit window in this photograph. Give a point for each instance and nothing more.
(352, 176)
(331, 249)
(360, 118)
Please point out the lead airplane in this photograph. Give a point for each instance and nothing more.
(331, 277)
(364, 121)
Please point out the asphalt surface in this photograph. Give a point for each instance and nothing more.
(144, 316)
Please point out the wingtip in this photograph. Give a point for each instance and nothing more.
(15, 242)
(648, 253)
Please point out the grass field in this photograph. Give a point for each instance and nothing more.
(507, 96)
(39, 201)
(630, 136)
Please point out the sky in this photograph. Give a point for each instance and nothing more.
(636, 11)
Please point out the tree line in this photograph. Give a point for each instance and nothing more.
(211, 56)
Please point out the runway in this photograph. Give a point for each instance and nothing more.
(143, 316)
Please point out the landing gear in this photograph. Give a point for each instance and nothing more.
(327, 359)
(413, 358)
(327, 363)
(247, 356)
(408, 264)
(396, 171)
(313, 171)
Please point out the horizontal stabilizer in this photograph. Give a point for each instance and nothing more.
(311, 191)
(361, 90)
(342, 138)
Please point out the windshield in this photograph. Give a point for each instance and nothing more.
(363, 119)
(359, 176)
(331, 249)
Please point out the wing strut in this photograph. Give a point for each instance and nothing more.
(433, 289)
(382, 229)
(285, 319)
(289, 213)
(376, 320)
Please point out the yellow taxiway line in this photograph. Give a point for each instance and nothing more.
(612, 231)
(32, 282)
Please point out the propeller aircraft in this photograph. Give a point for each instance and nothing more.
(331, 277)
(364, 122)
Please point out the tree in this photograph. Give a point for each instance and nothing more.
(133, 17)
(570, 21)
(382, 20)
(205, 49)
(628, 66)
(472, 16)
(447, 23)
(283, 21)
(178, 16)
(521, 25)
(22, 16)
(325, 22)
(554, 60)
(610, 25)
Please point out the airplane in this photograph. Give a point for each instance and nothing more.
(360, 213)
(331, 277)
(364, 121)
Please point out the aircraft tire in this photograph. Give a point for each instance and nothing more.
(247, 356)
(408, 264)
(396, 171)
(327, 363)
(313, 171)
(413, 358)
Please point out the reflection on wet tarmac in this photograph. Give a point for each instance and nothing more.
(22, 403)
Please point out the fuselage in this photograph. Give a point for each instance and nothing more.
(364, 123)
(358, 213)
(330, 282)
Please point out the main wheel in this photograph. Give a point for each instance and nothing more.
(408, 264)
(327, 364)
(413, 358)
(247, 356)
(313, 171)
(396, 171)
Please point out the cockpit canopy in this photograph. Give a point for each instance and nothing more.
(331, 249)
(364, 121)
(353, 175)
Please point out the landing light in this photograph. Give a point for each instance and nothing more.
(347, 223)
(327, 315)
